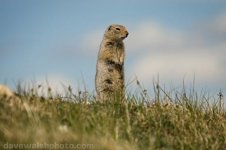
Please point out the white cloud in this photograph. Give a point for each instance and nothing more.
(175, 55)
(150, 35)
(176, 66)
(219, 24)
(57, 83)
(212, 31)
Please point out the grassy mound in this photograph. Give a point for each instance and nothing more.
(76, 122)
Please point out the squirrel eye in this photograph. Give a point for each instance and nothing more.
(117, 29)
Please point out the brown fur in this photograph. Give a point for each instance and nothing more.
(110, 63)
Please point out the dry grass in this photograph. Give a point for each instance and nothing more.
(172, 122)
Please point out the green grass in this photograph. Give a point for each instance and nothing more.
(172, 122)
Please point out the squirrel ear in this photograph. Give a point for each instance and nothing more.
(109, 28)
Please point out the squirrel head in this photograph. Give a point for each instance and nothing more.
(116, 32)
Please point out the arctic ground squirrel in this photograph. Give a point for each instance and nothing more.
(110, 64)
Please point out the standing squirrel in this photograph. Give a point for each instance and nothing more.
(110, 64)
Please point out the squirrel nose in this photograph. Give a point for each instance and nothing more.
(127, 33)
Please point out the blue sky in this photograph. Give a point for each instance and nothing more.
(59, 40)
